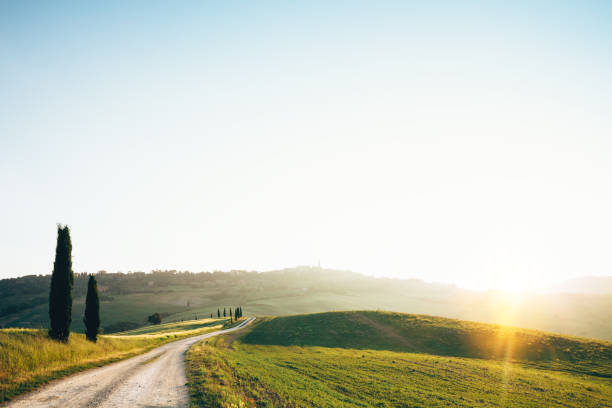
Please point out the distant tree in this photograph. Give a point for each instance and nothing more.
(230, 312)
(218, 314)
(211, 315)
(92, 310)
(224, 314)
(62, 279)
(155, 318)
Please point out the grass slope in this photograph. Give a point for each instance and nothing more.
(370, 359)
(29, 358)
(190, 327)
(435, 335)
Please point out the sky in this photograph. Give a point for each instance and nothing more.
(460, 142)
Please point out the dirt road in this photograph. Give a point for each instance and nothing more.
(154, 379)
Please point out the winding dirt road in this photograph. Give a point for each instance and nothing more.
(154, 379)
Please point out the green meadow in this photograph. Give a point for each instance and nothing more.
(181, 328)
(376, 359)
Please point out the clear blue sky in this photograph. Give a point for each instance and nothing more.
(467, 143)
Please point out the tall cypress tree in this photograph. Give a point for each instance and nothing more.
(92, 310)
(60, 295)
(218, 313)
(224, 313)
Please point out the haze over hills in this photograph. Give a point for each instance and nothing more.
(585, 284)
(128, 298)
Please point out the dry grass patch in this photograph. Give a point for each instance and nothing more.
(29, 358)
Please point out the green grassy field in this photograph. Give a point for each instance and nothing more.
(190, 327)
(370, 359)
(29, 358)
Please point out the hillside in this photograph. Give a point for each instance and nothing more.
(128, 298)
(381, 359)
(434, 335)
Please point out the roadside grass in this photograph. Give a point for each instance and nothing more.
(29, 358)
(236, 371)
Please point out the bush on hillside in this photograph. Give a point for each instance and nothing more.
(155, 318)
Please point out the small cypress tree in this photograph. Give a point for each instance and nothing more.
(62, 279)
(92, 310)
(224, 314)
(211, 315)
(218, 314)
(230, 312)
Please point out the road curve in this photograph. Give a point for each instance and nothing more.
(154, 379)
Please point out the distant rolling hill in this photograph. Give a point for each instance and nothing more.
(128, 298)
